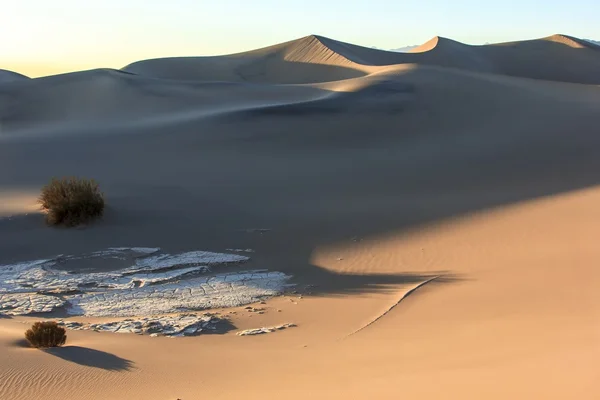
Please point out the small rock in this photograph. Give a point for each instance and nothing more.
(172, 326)
(260, 331)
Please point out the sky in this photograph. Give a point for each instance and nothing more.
(39, 37)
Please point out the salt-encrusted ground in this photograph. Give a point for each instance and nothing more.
(156, 284)
(267, 329)
(180, 325)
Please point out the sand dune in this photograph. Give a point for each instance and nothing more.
(319, 59)
(9, 76)
(70, 102)
(306, 60)
(557, 57)
(436, 211)
(253, 80)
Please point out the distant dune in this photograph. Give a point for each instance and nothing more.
(596, 42)
(319, 59)
(405, 49)
(188, 88)
(8, 76)
(306, 60)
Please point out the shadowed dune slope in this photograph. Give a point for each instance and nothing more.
(110, 101)
(558, 58)
(315, 59)
(328, 76)
(110, 98)
(305, 60)
(9, 76)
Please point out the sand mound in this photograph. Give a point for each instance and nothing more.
(379, 96)
(558, 58)
(160, 92)
(445, 52)
(103, 99)
(305, 60)
(436, 42)
(571, 41)
(362, 55)
(9, 76)
(316, 59)
(312, 59)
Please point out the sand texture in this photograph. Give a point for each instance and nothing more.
(426, 222)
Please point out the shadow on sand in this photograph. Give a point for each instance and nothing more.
(222, 327)
(336, 284)
(91, 358)
(319, 184)
(21, 343)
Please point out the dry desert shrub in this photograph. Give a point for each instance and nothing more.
(46, 334)
(71, 201)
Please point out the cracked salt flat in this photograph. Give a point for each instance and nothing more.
(7, 272)
(217, 291)
(166, 261)
(171, 326)
(142, 250)
(263, 330)
(28, 303)
(156, 284)
(46, 279)
(130, 281)
(40, 276)
(118, 252)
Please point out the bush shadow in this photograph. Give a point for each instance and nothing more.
(91, 358)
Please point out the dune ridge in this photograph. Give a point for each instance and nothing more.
(572, 41)
(560, 57)
(276, 78)
(307, 60)
(9, 76)
(318, 59)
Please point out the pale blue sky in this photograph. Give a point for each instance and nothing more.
(70, 34)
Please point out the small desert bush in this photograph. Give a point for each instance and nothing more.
(46, 334)
(71, 201)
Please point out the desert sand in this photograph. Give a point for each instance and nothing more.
(8, 76)
(436, 213)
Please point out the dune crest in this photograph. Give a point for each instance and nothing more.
(438, 43)
(9, 76)
(313, 50)
(571, 41)
(305, 60)
(318, 59)
(190, 88)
